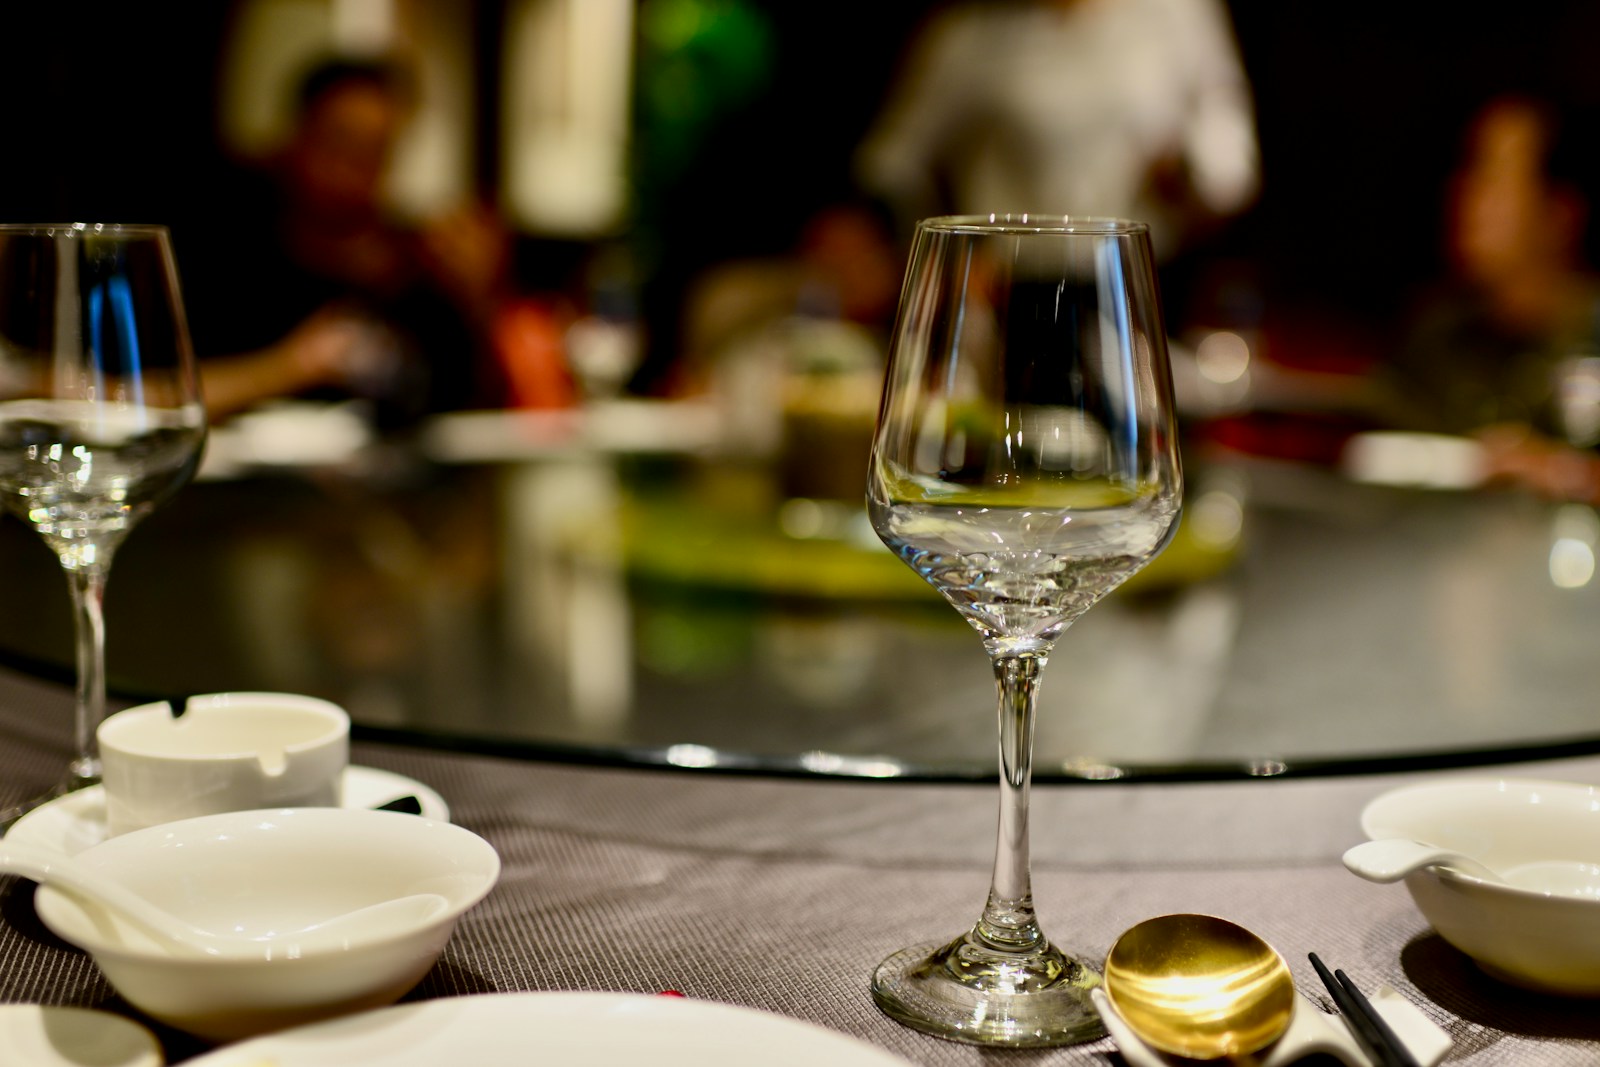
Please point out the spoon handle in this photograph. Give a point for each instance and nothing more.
(97, 894)
(1391, 859)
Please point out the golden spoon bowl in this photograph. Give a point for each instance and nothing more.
(1199, 986)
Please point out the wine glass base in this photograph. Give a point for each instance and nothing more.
(964, 991)
(81, 774)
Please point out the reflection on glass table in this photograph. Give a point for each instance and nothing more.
(592, 602)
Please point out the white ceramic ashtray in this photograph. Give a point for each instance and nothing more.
(1532, 917)
(224, 752)
(272, 877)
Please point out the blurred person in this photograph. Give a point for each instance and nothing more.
(791, 347)
(1136, 109)
(300, 280)
(1493, 349)
(843, 266)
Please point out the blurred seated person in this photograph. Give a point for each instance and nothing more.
(299, 280)
(1488, 351)
(844, 266)
(806, 329)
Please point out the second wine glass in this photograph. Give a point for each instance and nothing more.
(1025, 464)
(100, 412)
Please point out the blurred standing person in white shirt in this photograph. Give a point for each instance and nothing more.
(1129, 108)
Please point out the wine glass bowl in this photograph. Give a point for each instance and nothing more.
(1025, 464)
(100, 412)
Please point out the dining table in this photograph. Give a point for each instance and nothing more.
(727, 746)
(781, 894)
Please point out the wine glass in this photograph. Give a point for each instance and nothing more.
(100, 413)
(1025, 463)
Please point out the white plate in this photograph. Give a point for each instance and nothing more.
(73, 1037)
(594, 1029)
(74, 822)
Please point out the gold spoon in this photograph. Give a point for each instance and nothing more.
(1199, 986)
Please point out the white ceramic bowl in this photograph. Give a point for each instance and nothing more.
(1523, 936)
(262, 872)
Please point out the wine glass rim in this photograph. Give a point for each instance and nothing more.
(1035, 222)
(73, 229)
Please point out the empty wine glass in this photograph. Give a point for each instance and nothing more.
(1025, 464)
(100, 412)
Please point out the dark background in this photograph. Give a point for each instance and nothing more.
(106, 114)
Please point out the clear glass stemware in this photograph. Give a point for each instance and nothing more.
(100, 413)
(1025, 464)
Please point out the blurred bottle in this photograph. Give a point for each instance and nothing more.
(606, 345)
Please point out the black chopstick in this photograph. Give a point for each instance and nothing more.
(1370, 1029)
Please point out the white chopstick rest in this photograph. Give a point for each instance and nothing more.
(1309, 1031)
(1424, 1038)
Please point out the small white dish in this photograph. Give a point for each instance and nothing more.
(265, 876)
(37, 1036)
(294, 433)
(594, 1029)
(77, 821)
(1415, 460)
(1549, 942)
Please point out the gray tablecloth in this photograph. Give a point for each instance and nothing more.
(783, 894)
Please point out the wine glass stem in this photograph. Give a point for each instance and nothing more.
(88, 586)
(1008, 921)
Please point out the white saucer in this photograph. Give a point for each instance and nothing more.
(594, 1029)
(74, 822)
(74, 1037)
